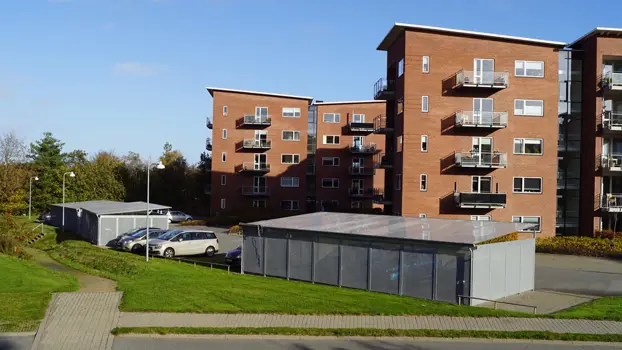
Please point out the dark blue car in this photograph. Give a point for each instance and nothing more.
(234, 257)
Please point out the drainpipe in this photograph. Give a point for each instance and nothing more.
(471, 273)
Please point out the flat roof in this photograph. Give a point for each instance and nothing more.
(104, 207)
(598, 30)
(463, 232)
(348, 102)
(212, 89)
(398, 28)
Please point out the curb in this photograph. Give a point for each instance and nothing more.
(18, 334)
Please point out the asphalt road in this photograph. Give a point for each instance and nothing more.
(140, 343)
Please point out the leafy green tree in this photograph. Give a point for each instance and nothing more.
(13, 174)
(97, 179)
(48, 163)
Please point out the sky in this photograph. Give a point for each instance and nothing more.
(130, 75)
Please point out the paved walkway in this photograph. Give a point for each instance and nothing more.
(131, 319)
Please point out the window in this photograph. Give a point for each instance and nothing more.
(398, 182)
(422, 216)
(534, 69)
(224, 134)
(290, 205)
(290, 158)
(289, 135)
(355, 204)
(424, 143)
(224, 157)
(291, 112)
(330, 183)
(400, 105)
(535, 220)
(424, 104)
(528, 146)
(223, 180)
(423, 182)
(426, 64)
(332, 118)
(529, 107)
(400, 68)
(480, 218)
(225, 110)
(331, 139)
(527, 185)
(358, 118)
(223, 203)
(330, 161)
(259, 203)
(261, 111)
(481, 184)
(290, 182)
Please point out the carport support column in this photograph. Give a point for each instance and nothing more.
(313, 248)
(287, 259)
(369, 268)
(400, 276)
(339, 262)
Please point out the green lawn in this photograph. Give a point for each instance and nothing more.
(25, 291)
(608, 308)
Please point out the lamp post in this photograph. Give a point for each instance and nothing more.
(160, 166)
(30, 196)
(71, 174)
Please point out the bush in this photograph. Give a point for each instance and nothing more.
(235, 230)
(14, 235)
(507, 238)
(105, 260)
(193, 223)
(606, 234)
(585, 246)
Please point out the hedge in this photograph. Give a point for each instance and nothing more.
(507, 238)
(585, 246)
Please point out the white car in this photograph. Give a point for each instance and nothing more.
(184, 242)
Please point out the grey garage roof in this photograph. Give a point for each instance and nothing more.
(104, 207)
(402, 227)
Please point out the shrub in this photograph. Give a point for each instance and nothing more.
(606, 234)
(108, 261)
(193, 223)
(235, 230)
(586, 246)
(507, 238)
(14, 235)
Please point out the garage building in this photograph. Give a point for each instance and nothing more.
(436, 259)
(102, 221)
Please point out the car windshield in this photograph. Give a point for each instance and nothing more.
(138, 234)
(169, 234)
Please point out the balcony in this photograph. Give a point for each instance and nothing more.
(479, 200)
(471, 119)
(369, 148)
(254, 121)
(252, 144)
(208, 123)
(361, 126)
(361, 171)
(381, 161)
(481, 160)
(612, 122)
(494, 80)
(612, 81)
(380, 198)
(255, 191)
(252, 167)
(611, 203)
(380, 125)
(611, 163)
(208, 144)
(356, 192)
(384, 89)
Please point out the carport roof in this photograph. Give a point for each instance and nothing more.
(464, 232)
(104, 207)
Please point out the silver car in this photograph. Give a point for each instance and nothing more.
(184, 242)
(178, 216)
(137, 240)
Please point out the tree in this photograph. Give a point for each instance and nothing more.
(48, 163)
(98, 179)
(169, 155)
(13, 174)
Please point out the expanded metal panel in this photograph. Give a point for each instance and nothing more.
(385, 259)
(418, 273)
(112, 226)
(327, 261)
(301, 258)
(497, 273)
(276, 254)
(446, 277)
(354, 264)
(253, 254)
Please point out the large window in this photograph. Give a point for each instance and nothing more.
(423, 182)
(290, 205)
(330, 183)
(424, 143)
(224, 134)
(291, 112)
(426, 64)
(481, 184)
(290, 158)
(358, 118)
(528, 146)
(529, 107)
(535, 220)
(331, 139)
(290, 135)
(330, 161)
(225, 111)
(527, 185)
(534, 69)
(223, 157)
(332, 118)
(400, 68)
(287, 181)
(424, 103)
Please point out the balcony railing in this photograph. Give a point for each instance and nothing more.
(611, 202)
(361, 171)
(253, 167)
(360, 126)
(255, 191)
(481, 159)
(208, 144)
(379, 196)
(255, 120)
(480, 200)
(612, 121)
(497, 80)
(611, 162)
(369, 148)
(380, 125)
(482, 119)
(208, 123)
(613, 81)
(255, 144)
(356, 192)
(384, 89)
(382, 161)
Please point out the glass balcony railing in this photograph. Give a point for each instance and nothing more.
(380, 125)
(611, 202)
(612, 121)
(255, 120)
(255, 190)
(369, 148)
(612, 80)
(208, 143)
(611, 162)
(361, 171)
(481, 159)
(254, 167)
(383, 89)
(482, 119)
(480, 200)
(465, 78)
(208, 123)
(256, 144)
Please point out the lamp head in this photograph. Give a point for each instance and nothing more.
(36, 178)
(160, 165)
(72, 174)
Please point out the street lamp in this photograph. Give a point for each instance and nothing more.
(30, 196)
(71, 174)
(160, 166)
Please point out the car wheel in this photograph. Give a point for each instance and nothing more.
(210, 251)
(136, 248)
(170, 221)
(169, 253)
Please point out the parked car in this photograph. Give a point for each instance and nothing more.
(136, 241)
(178, 216)
(45, 217)
(115, 241)
(234, 256)
(184, 242)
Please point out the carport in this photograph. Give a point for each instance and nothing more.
(436, 259)
(102, 221)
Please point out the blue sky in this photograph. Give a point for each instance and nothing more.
(130, 75)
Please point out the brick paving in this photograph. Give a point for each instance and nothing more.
(146, 319)
(79, 321)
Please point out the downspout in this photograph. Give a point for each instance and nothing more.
(471, 249)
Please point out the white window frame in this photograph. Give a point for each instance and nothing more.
(294, 111)
(479, 183)
(425, 101)
(223, 157)
(223, 180)
(333, 161)
(524, 75)
(400, 68)
(522, 191)
(292, 181)
(424, 143)
(224, 134)
(425, 64)
(294, 155)
(479, 217)
(360, 115)
(522, 143)
(520, 219)
(291, 202)
(355, 205)
(225, 111)
(336, 119)
(293, 139)
(423, 182)
(334, 180)
(519, 113)
(398, 182)
(422, 216)
(223, 203)
(257, 203)
(334, 137)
